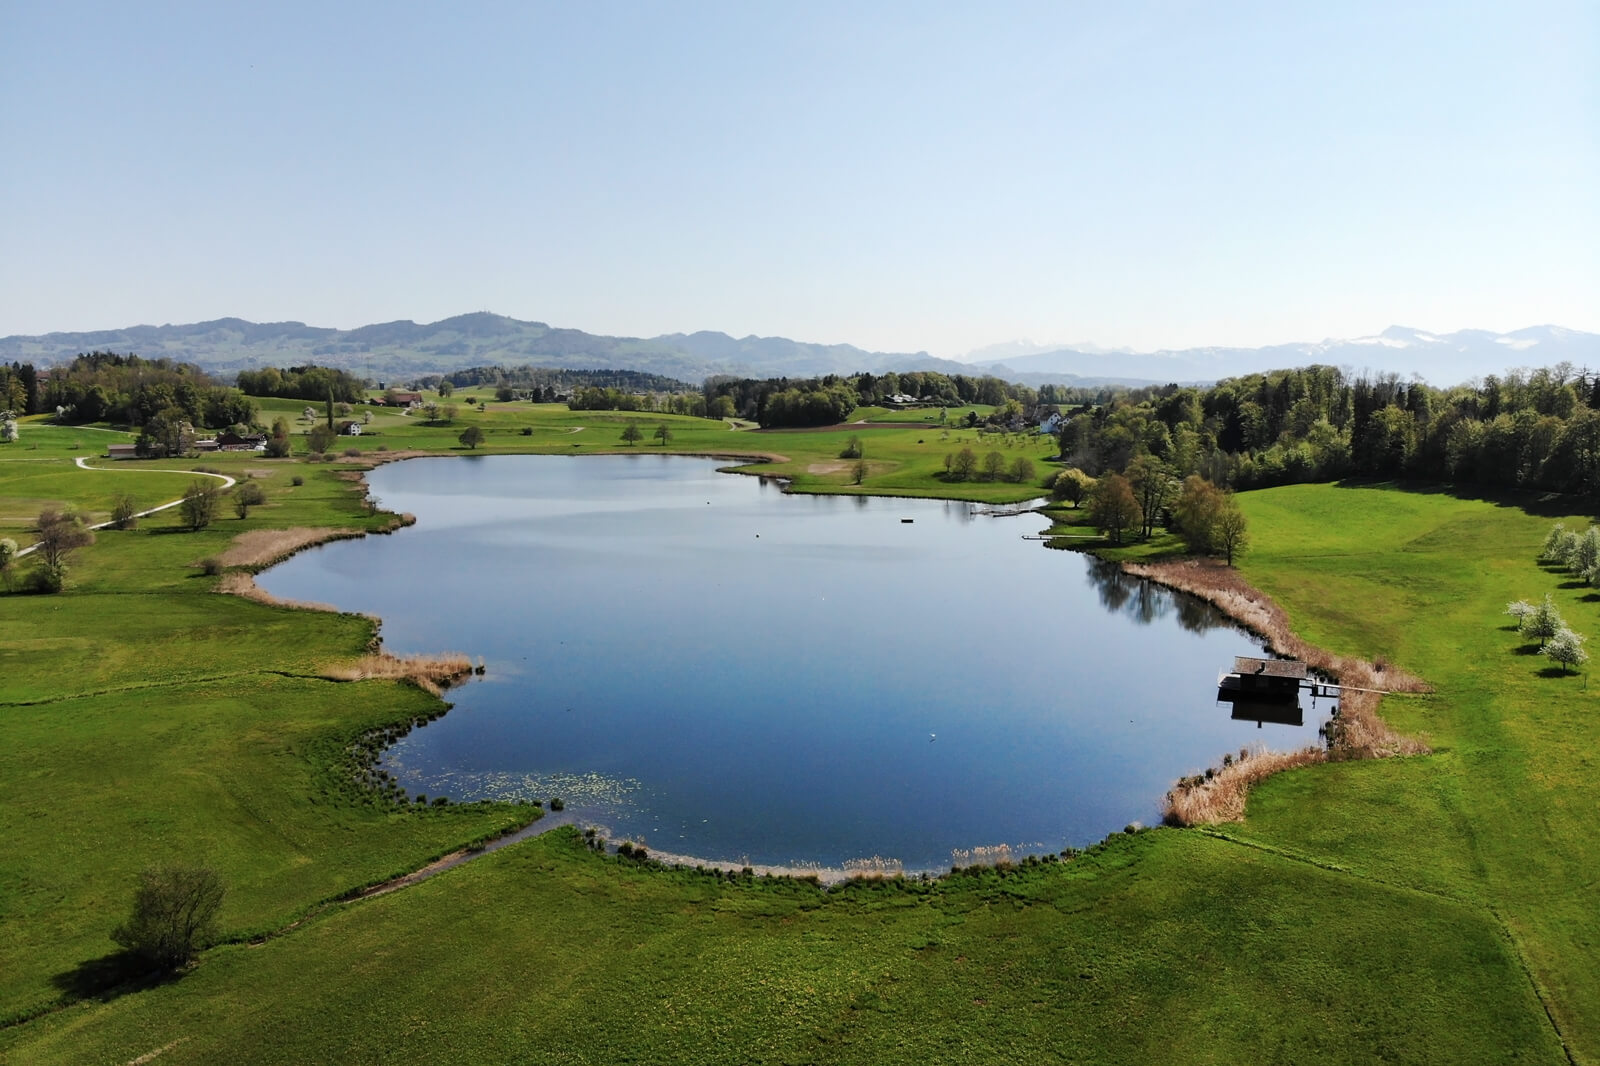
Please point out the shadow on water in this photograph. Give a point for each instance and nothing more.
(1145, 602)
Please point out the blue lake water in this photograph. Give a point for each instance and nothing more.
(703, 662)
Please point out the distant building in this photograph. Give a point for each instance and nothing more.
(229, 441)
(122, 451)
(350, 429)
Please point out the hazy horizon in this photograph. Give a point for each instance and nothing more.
(903, 178)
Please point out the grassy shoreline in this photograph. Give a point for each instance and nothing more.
(1361, 911)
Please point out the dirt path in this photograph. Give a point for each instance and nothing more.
(456, 858)
(82, 463)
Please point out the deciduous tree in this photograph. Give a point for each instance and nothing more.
(321, 438)
(1196, 513)
(1565, 647)
(1114, 509)
(247, 494)
(124, 511)
(663, 434)
(60, 534)
(199, 505)
(472, 436)
(1543, 622)
(1154, 486)
(1072, 485)
(174, 915)
(631, 433)
(1232, 533)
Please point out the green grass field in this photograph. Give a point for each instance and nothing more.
(1439, 909)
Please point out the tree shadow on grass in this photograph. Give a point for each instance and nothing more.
(108, 977)
(1573, 585)
(1556, 671)
(1544, 504)
(1526, 649)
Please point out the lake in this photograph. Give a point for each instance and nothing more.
(705, 663)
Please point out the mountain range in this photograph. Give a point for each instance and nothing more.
(1438, 358)
(406, 349)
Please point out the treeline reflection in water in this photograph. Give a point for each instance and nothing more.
(1144, 601)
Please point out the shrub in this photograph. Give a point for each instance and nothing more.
(199, 504)
(211, 566)
(352, 453)
(174, 914)
(527, 431)
(297, 481)
(1072, 485)
(123, 512)
(557, 803)
(247, 494)
(964, 464)
(852, 449)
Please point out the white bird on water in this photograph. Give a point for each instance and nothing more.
(932, 737)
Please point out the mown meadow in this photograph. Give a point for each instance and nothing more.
(1439, 909)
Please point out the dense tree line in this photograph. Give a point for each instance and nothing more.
(553, 381)
(19, 389)
(1535, 429)
(955, 390)
(303, 383)
(107, 387)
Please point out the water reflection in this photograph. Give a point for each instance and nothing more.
(1145, 602)
(829, 675)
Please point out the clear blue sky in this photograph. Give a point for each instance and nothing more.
(901, 177)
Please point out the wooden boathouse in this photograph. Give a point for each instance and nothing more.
(1265, 690)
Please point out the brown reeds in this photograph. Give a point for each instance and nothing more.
(1219, 795)
(427, 672)
(874, 868)
(262, 547)
(242, 583)
(1357, 730)
(1226, 588)
(984, 855)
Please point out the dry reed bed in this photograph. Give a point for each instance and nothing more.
(242, 583)
(1219, 795)
(427, 672)
(260, 548)
(1356, 732)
